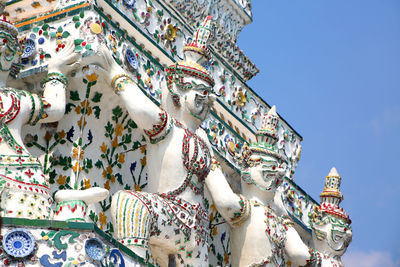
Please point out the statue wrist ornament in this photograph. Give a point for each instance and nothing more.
(215, 163)
(118, 82)
(287, 222)
(56, 76)
(240, 217)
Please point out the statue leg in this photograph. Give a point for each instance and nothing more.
(132, 218)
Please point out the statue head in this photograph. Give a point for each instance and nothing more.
(262, 163)
(9, 45)
(189, 85)
(332, 233)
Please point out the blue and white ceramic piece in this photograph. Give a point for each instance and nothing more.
(18, 243)
(95, 249)
(30, 48)
(129, 3)
(131, 59)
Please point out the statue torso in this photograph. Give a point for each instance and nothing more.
(260, 240)
(179, 165)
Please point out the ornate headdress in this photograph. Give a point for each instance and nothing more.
(266, 139)
(196, 56)
(331, 197)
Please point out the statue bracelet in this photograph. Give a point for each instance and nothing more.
(117, 80)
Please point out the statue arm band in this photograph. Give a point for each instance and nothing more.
(245, 208)
(55, 76)
(287, 222)
(119, 81)
(215, 164)
(161, 129)
(37, 109)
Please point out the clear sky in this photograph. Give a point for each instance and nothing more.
(332, 68)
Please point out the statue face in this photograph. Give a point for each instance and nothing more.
(332, 235)
(197, 98)
(8, 53)
(266, 174)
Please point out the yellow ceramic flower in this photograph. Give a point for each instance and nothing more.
(86, 183)
(77, 167)
(77, 153)
(214, 231)
(143, 161)
(119, 129)
(61, 179)
(241, 99)
(107, 185)
(109, 169)
(170, 33)
(92, 77)
(61, 134)
(102, 219)
(121, 158)
(114, 142)
(103, 148)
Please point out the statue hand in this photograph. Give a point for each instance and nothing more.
(104, 62)
(110, 66)
(66, 60)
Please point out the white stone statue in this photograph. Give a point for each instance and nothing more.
(260, 235)
(332, 233)
(261, 232)
(170, 219)
(24, 188)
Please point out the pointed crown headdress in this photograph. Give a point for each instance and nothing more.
(331, 197)
(196, 55)
(267, 137)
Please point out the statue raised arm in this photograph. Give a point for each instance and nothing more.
(170, 218)
(24, 188)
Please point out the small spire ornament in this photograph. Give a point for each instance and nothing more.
(331, 196)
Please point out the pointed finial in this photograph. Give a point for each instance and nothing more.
(331, 196)
(272, 111)
(197, 49)
(268, 131)
(333, 173)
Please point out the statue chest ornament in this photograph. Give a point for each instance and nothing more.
(196, 157)
(276, 234)
(23, 186)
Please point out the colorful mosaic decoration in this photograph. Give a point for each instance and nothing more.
(18, 243)
(165, 48)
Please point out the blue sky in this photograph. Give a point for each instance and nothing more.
(332, 68)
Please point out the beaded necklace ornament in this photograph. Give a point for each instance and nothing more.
(198, 163)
